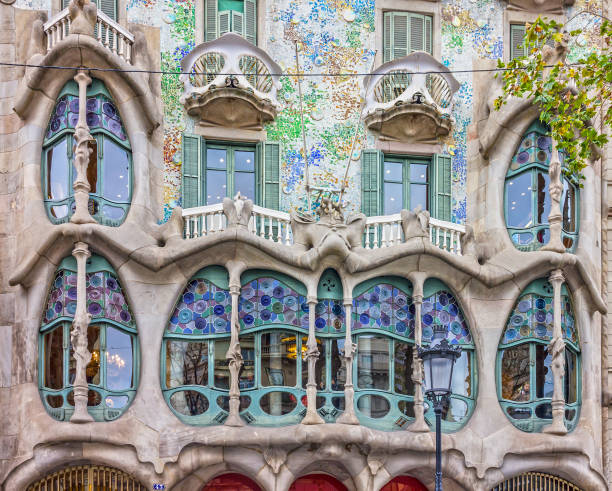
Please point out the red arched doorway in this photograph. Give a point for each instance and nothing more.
(317, 482)
(231, 482)
(404, 483)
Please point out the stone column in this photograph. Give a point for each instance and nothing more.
(417, 365)
(234, 358)
(555, 188)
(556, 348)
(82, 137)
(78, 337)
(312, 355)
(348, 416)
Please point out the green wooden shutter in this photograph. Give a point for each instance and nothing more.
(271, 176)
(517, 35)
(387, 37)
(371, 191)
(441, 196)
(417, 33)
(192, 191)
(65, 4)
(210, 19)
(428, 34)
(250, 21)
(237, 23)
(109, 7)
(224, 22)
(399, 38)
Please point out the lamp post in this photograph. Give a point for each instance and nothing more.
(438, 361)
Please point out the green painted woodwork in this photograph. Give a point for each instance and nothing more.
(271, 176)
(440, 200)
(238, 16)
(517, 33)
(405, 32)
(330, 286)
(371, 171)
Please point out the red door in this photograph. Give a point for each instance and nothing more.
(317, 482)
(404, 483)
(231, 482)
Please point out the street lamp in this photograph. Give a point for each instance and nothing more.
(438, 361)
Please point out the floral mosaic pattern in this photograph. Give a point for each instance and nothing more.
(330, 316)
(386, 307)
(442, 308)
(532, 318)
(267, 301)
(203, 308)
(534, 149)
(105, 299)
(101, 113)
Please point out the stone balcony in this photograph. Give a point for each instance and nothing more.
(410, 99)
(230, 82)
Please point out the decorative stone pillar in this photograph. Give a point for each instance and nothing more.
(348, 416)
(312, 355)
(555, 188)
(234, 358)
(82, 137)
(419, 424)
(556, 348)
(78, 337)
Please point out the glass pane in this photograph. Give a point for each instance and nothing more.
(373, 406)
(544, 411)
(92, 167)
(418, 172)
(57, 172)
(393, 171)
(519, 195)
(57, 400)
(373, 362)
(245, 183)
(216, 186)
(59, 211)
(246, 378)
(338, 364)
(456, 411)
(277, 403)
(216, 158)
(116, 402)
(515, 373)
(54, 359)
(571, 377)
(393, 201)
(244, 160)
(278, 359)
(189, 402)
(544, 375)
(119, 359)
(115, 172)
(186, 363)
(519, 412)
(418, 196)
(568, 206)
(113, 212)
(406, 408)
(92, 371)
(222, 374)
(461, 383)
(543, 200)
(403, 369)
(320, 373)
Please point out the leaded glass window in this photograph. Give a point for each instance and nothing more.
(524, 372)
(111, 373)
(109, 171)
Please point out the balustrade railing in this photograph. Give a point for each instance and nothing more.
(108, 33)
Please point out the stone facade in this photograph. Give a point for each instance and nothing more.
(154, 258)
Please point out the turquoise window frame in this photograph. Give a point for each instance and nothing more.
(100, 134)
(99, 413)
(407, 161)
(535, 424)
(533, 169)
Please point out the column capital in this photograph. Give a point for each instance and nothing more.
(347, 301)
(556, 276)
(82, 76)
(81, 249)
(234, 289)
(417, 298)
(312, 299)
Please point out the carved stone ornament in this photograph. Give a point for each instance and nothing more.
(275, 457)
(415, 223)
(540, 6)
(237, 211)
(83, 15)
(376, 460)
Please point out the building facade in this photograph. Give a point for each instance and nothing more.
(229, 224)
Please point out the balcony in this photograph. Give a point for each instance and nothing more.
(380, 231)
(229, 82)
(410, 99)
(109, 34)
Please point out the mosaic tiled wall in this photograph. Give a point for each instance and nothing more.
(334, 36)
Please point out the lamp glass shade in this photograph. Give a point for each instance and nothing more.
(438, 372)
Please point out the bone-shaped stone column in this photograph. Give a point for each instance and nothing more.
(556, 348)
(234, 354)
(82, 137)
(78, 337)
(312, 355)
(419, 424)
(348, 416)
(555, 188)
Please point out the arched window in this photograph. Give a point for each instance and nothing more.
(109, 171)
(383, 325)
(535, 481)
(195, 372)
(527, 200)
(78, 477)
(524, 372)
(404, 483)
(112, 373)
(231, 482)
(317, 482)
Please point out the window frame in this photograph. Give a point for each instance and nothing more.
(407, 161)
(389, 13)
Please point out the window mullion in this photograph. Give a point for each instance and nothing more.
(391, 365)
(406, 184)
(102, 352)
(211, 363)
(230, 178)
(533, 390)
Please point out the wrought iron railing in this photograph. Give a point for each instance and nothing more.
(87, 478)
(536, 481)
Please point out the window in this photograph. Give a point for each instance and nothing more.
(524, 372)
(109, 171)
(112, 371)
(527, 199)
(213, 171)
(517, 35)
(405, 32)
(238, 16)
(391, 183)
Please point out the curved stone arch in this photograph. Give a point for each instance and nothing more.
(303, 462)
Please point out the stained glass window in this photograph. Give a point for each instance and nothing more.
(111, 372)
(525, 378)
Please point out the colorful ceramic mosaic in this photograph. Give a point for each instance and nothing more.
(330, 316)
(105, 299)
(386, 307)
(532, 318)
(442, 308)
(203, 308)
(268, 301)
(534, 149)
